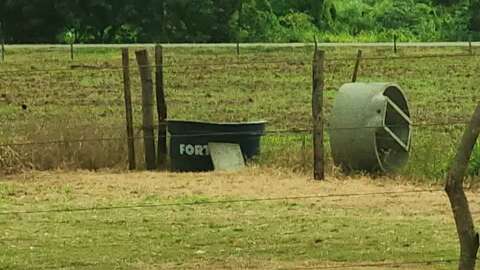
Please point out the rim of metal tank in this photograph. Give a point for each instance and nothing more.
(406, 116)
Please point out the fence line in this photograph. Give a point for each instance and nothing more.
(96, 104)
(236, 63)
(115, 68)
(420, 124)
(220, 202)
(118, 102)
(251, 133)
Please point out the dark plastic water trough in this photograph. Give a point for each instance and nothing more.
(189, 142)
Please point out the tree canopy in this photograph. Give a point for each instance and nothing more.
(118, 21)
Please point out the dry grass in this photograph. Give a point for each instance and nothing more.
(253, 182)
(97, 187)
(280, 234)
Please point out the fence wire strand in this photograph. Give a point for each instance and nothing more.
(207, 134)
(233, 63)
(221, 202)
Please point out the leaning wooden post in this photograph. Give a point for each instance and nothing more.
(357, 66)
(469, 239)
(147, 104)
(128, 109)
(317, 110)
(161, 109)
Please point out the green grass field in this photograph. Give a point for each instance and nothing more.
(83, 100)
(403, 231)
(53, 111)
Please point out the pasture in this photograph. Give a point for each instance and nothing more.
(66, 201)
(257, 219)
(57, 113)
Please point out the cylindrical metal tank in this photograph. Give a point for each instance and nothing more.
(370, 129)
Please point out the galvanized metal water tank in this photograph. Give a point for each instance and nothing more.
(370, 129)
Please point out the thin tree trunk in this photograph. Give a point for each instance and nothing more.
(469, 239)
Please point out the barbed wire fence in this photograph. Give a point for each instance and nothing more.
(73, 101)
(304, 131)
(118, 102)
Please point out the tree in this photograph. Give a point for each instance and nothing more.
(30, 21)
(106, 21)
(258, 22)
(474, 15)
(322, 11)
(98, 20)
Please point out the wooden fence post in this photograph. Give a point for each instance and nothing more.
(238, 48)
(470, 47)
(469, 239)
(2, 40)
(395, 43)
(147, 104)
(3, 49)
(161, 109)
(357, 66)
(71, 52)
(132, 164)
(317, 110)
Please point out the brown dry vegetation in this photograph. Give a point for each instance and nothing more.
(254, 183)
(251, 183)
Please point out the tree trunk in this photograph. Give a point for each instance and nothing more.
(469, 239)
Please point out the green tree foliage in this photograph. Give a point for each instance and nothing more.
(323, 12)
(474, 14)
(258, 22)
(30, 20)
(102, 21)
